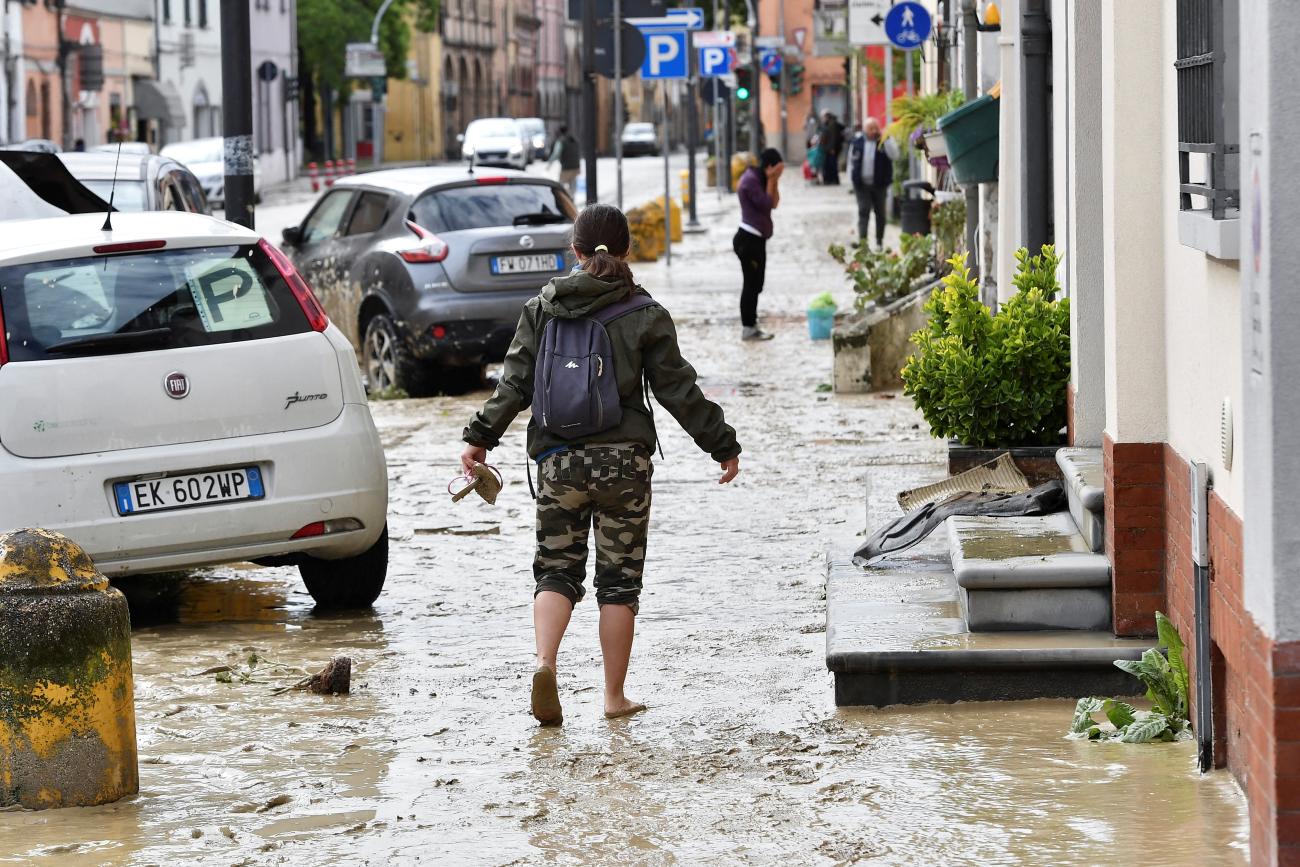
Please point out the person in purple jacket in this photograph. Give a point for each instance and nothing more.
(759, 193)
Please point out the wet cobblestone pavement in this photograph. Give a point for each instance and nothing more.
(742, 757)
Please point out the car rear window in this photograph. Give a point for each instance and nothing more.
(163, 299)
(127, 195)
(487, 205)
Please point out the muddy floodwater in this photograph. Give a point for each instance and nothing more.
(742, 757)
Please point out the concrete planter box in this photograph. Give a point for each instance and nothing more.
(871, 347)
(1038, 463)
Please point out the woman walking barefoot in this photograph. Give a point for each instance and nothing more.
(593, 451)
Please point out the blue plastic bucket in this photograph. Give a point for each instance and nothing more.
(820, 323)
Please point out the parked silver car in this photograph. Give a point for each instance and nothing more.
(426, 270)
(144, 182)
(205, 157)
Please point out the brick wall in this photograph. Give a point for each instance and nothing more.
(1256, 683)
(1135, 533)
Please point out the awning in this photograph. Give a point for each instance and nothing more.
(158, 100)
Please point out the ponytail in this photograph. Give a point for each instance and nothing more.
(601, 235)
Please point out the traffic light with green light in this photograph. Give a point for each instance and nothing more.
(744, 81)
(796, 77)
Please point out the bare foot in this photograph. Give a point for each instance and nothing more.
(622, 707)
(546, 697)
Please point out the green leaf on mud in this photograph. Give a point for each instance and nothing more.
(1119, 713)
(1083, 711)
(1173, 643)
(1146, 728)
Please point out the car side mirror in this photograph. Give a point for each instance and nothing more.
(292, 236)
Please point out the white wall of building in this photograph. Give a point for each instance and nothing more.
(1270, 330)
(1202, 314)
(189, 59)
(1134, 211)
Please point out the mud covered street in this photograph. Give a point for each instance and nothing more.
(742, 757)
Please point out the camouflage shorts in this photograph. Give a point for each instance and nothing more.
(607, 485)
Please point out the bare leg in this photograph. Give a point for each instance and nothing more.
(617, 626)
(551, 613)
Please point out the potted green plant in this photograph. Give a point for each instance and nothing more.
(884, 275)
(970, 134)
(989, 382)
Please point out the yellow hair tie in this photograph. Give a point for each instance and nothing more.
(601, 248)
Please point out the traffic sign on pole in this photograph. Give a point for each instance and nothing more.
(665, 55)
(715, 61)
(907, 25)
(867, 22)
(690, 18)
(714, 39)
(770, 60)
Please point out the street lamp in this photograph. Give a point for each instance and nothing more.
(381, 92)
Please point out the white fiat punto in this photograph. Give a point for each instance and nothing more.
(172, 395)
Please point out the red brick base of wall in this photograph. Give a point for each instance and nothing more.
(1256, 682)
(1135, 533)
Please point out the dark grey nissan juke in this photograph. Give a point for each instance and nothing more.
(426, 270)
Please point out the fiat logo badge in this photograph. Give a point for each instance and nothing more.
(176, 384)
(526, 241)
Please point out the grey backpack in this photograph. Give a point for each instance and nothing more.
(575, 386)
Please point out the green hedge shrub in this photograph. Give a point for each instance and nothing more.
(994, 380)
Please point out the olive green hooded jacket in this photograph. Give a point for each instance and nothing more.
(644, 340)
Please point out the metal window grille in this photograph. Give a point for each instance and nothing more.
(1205, 66)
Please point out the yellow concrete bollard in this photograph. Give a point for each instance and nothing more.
(740, 162)
(67, 707)
(685, 194)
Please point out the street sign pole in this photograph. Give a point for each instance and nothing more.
(692, 133)
(618, 99)
(717, 113)
(668, 200)
(237, 118)
(589, 97)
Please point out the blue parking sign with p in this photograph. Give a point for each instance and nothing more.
(665, 55)
(715, 60)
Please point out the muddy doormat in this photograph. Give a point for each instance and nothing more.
(998, 476)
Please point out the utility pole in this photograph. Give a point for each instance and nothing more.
(692, 135)
(618, 99)
(755, 134)
(237, 111)
(589, 95)
(785, 78)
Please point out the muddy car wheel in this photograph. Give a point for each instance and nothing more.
(353, 582)
(388, 362)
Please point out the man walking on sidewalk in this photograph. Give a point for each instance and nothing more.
(871, 169)
(569, 155)
(759, 192)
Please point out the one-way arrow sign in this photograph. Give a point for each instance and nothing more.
(867, 22)
(689, 18)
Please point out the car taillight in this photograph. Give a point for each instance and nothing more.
(431, 249)
(438, 332)
(301, 291)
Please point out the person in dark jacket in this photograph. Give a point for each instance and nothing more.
(568, 154)
(832, 142)
(602, 477)
(871, 169)
(759, 192)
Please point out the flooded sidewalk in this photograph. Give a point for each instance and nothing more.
(742, 757)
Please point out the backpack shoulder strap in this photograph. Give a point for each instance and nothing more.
(632, 303)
